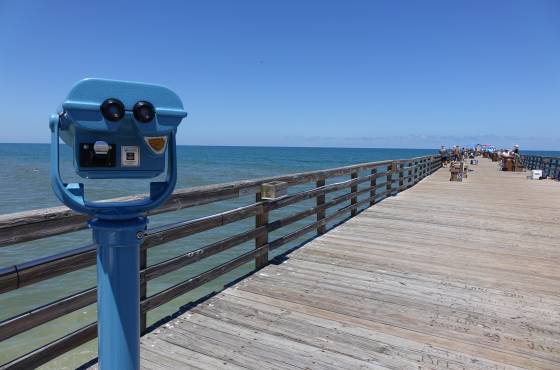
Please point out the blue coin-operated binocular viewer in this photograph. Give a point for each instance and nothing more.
(117, 130)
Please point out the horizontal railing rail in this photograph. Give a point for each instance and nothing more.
(549, 165)
(383, 179)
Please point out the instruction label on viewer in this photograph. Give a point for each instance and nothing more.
(130, 156)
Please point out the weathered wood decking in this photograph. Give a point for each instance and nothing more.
(446, 275)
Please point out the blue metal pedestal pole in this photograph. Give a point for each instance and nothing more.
(118, 291)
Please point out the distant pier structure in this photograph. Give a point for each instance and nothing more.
(396, 267)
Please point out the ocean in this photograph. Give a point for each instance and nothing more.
(25, 185)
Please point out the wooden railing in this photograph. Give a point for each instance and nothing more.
(549, 165)
(382, 179)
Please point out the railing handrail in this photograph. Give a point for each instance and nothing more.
(399, 174)
(40, 223)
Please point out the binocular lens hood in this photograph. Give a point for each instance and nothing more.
(112, 110)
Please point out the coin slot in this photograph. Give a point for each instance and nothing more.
(98, 154)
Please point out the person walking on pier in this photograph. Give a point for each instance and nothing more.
(444, 156)
(456, 154)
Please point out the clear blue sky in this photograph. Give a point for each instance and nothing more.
(299, 73)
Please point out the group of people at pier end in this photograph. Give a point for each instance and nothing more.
(458, 154)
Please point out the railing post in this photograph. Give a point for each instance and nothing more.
(261, 219)
(143, 289)
(354, 190)
(321, 212)
(373, 186)
(410, 174)
(408, 177)
(401, 176)
(392, 169)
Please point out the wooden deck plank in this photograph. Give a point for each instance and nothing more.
(395, 352)
(445, 275)
(447, 322)
(384, 286)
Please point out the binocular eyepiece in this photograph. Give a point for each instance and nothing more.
(144, 111)
(113, 110)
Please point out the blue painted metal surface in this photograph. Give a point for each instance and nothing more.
(118, 227)
(118, 291)
(83, 122)
(72, 194)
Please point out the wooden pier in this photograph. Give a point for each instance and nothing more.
(400, 268)
(447, 275)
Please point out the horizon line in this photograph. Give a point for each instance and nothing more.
(295, 146)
